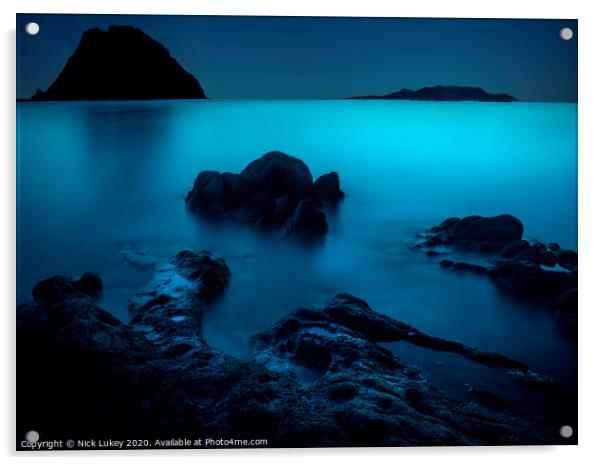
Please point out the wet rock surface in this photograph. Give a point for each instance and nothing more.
(529, 271)
(274, 192)
(318, 377)
(354, 314)
(374, 397)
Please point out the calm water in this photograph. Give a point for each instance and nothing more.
(94, 177)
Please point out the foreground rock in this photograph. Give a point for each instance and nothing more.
(372, 396)
(516, 266)
(122, 63)
(319, 377)
(275, 191)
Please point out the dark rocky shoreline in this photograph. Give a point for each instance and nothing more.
(155, 375)
(517, 267)
(319, 377)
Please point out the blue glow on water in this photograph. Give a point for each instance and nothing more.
(94, 176)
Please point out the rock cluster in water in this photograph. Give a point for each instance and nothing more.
(122, 63)
(517, 267)
(275, 192)
(86, 374)
(477, 233)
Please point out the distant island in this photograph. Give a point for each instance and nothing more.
(123, 63)
(441, 93)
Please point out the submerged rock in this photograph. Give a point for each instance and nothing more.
(155, 375)
(275, 191)
(530, 282)
(461, 266)
(135, 256)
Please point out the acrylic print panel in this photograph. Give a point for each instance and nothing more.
(295, 232)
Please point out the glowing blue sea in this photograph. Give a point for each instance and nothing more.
(94, 177)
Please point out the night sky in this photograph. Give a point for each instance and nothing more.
(280, 57)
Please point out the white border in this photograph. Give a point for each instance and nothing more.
(590, 234)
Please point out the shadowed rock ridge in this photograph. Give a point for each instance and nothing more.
(122, 63)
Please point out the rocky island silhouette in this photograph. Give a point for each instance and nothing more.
(122, 63)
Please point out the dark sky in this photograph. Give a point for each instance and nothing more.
(280, 57)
